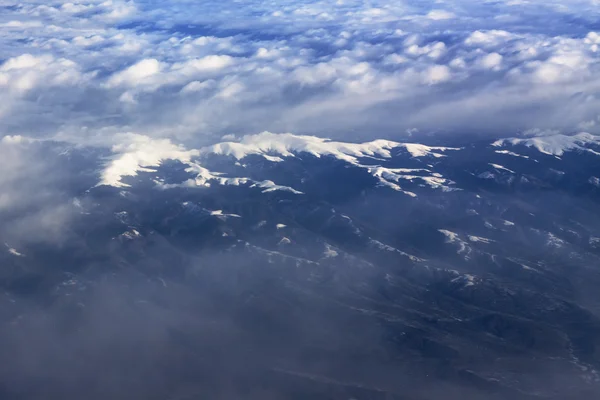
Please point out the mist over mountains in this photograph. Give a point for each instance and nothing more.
(286, 266)
(299, 199)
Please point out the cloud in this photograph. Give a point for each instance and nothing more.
(319, 68)
(491, 61)
(438, 15)
(136, 74)
(34, 206)
(436, 74)
(490, 38)
(27, 72)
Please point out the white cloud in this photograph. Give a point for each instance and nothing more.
(318, 68)
(395, 59)
(491, 61)
(197, 86)
(592, 38)
(118, 10)
(488, 38)
(25, 61)
(205, 64)
(438, 15)
(436, 74)
(315, 74)
(433, 50)
(136, 74)
(20, 24)
(26, 73)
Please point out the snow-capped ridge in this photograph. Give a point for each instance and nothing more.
(556, 144)
(391, 177)
(269, 145)
(138, 153)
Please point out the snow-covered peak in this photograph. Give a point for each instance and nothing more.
(137, 153)
(268, 144)
(554, 144)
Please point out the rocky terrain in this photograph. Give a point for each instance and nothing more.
(284, 266)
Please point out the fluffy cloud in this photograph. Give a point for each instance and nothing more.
(26, 72)
(436, 74)
(136, 74)
(438, 15)
(196, 71)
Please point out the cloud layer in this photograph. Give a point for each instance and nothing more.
(199, 70)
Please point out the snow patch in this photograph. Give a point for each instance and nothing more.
(385, 247)
(329, 251)
(467, 279)
(270, 186)
(205, 178)
(272, 158)
(486, 175)
(554, 241)
(479, 239)
(453, 237)
(260, 224)
(510, 153)
(14, 252)
(501, 168)
(284, 240)
(391, 177)
(219, 213)
(130, 234)
(450, 236)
